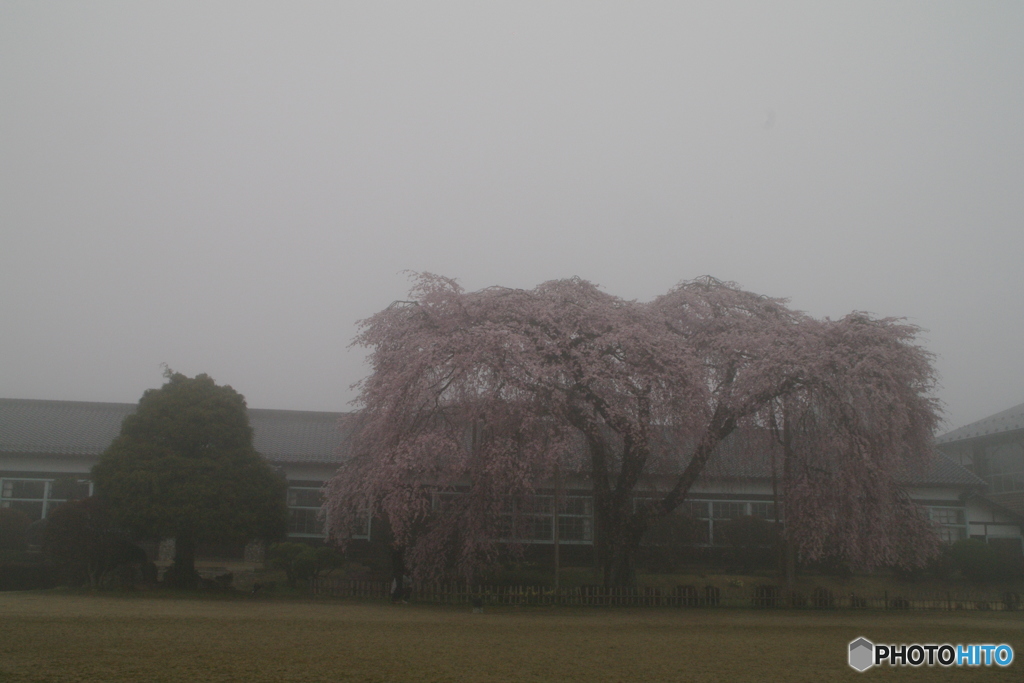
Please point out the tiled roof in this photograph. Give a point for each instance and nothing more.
(85, 428)
(942, 470)
(299, 435)
(59, 427)
(295, 436)
(1009, 420)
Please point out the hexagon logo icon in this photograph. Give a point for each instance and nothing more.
(862, 654)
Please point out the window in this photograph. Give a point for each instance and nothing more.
(763, 511)
(304, 512)
(576, 519)
(361, 529)
(14, 488)
(948, 515)
(952, 523)
(539, 528)
(952, 534)
(534, 518)
(728, 510)
(537, 505)
(1005, 465)
(531, 519)
(506, 527)
(304, 503)
(37, 498)
(32, 508)
(1007, 483)
(307, 498)
(577, 505)
(717, 512)
(575, 529)
(709, 513)
(303, 522)
(695, 509)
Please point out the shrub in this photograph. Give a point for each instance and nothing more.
(301, 562)
(85, 548)
(671, 542)
(981, 563)
(676, 530)
(285, 556)
(13, 529)
(20, 576)
(35, 534)
(750, 539)
(834, 566)
(942, 567)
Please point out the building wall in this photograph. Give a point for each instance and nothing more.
(710, 502)
(36, 483)
(987, 522)
(999, 460)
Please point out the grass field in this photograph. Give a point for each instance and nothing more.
(52, 636)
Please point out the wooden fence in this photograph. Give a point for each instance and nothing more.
(764, 596)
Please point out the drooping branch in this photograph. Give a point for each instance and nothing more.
(484, 393)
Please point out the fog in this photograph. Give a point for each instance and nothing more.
(229, 188)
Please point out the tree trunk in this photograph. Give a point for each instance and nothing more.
(789, 552)
(787, 548)
(182, 573)
(619, 532)
(397, 573)
(620, 568)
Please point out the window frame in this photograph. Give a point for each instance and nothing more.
(950, 532)
(48, 501)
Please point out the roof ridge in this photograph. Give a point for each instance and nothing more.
(997, 423)
(58, 401)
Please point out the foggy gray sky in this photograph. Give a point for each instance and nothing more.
(228, 188)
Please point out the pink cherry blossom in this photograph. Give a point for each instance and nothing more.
(477, 398)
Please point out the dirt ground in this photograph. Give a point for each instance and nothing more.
(52, 636)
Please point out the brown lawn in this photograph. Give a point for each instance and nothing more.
(63, 637)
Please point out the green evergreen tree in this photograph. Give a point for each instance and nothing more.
(184, 467)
